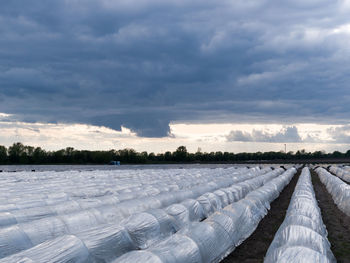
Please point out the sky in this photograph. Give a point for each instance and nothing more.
(151, 75)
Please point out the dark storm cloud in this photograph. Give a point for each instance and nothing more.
(146, 63)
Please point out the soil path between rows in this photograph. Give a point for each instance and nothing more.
(254, 248)
(337, 223)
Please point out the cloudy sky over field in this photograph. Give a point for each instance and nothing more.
(221, 75)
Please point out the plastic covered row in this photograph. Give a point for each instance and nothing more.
(214, 238)
(342, 173)
(26, 190)
(146, 229)
(23, 236)
(35, 213)
(339, 190)
(302, 237)
(69, 206)
(88, 183)
(143, 229)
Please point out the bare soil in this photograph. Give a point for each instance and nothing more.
(254, 248)
(337, 223)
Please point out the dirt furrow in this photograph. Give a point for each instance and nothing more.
(255, 247)
(337, 223)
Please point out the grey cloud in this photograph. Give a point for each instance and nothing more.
(289, 134)
(340, 134)
(144, 64)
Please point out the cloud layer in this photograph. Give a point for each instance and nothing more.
(143, 64)
(289, 134)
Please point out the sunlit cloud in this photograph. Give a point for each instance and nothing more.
(233, 137)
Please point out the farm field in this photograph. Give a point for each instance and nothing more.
(196, 213)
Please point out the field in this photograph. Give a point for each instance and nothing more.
(175, 213)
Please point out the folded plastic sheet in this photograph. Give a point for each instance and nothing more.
(177, 248)
(339, 190)
(63, 249)
(232, 222)
(143, 228)
(107, 243)
(302, 233)
(224, 201)
(211, 239)
(195, 209)
(167, 223)
(180, 213)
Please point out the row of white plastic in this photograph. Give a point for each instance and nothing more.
(25, 189)
(341, 173)
(141, 230)
(65, 207)
(302, 237)
(74, 184)
(339, 190)
(23, 236)
(214, 238)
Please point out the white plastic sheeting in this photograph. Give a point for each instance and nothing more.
(339, 190)
(302, 237)
(18, 205)
(23, 236)
(63, 249)
(145, 228)
(214, 238)
(142, 230)
(341, 173)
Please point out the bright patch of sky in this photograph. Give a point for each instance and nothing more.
(208, 137)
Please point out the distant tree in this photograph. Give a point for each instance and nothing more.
(143, 156)
(39, 155)
(347, 154)
(3, 154)
(337, 154)
(15, 152)
(69, 151)
(23, 154)
(198, 156)
(180, 154)
(58, 156)
(152, 157)
(168, 157)
(317, 154)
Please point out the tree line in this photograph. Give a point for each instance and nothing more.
(23, 154)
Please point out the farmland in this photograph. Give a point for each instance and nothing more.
(197, 213)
